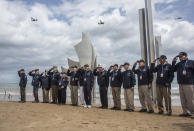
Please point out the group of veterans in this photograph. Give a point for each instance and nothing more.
(83, 79)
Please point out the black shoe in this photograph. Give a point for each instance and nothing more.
(21, 101)
(161, 112)
(143, 110)
(169, 113)
(185, 115)
(118, 108)
(113, 108)
(104, 107)
(151, 111)
(100, 107)
(126, 110)
(131, 110)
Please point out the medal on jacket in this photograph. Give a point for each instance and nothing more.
(72, 79)
(85, 79)
(60, 83)
(161, 75)
(140, 77)
(113, 79)
(184, 72)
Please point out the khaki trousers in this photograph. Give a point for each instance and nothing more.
(23, 93)
(129, 98)
(74, 95)
(145, 97)
(54, 93)
(116, 93)
(164, 92)
(45, 95)
(187, 98)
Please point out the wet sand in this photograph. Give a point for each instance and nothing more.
(29, 116)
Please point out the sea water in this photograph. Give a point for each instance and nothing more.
(11, 92)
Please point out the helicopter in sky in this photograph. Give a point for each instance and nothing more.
(101, 22)
(179, 18)
(34, 19)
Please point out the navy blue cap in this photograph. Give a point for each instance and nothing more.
(183, 53)
(142, 61)
(126, 63)
(36, 70)
(116, 65)
(163, 57)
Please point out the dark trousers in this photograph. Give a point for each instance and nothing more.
(103, 96)
(87, 95)
(54, 93)
(23, 93)
(62, 96)
(35, 91)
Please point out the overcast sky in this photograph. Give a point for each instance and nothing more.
(50, 40)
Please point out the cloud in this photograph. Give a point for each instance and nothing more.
(50, 40)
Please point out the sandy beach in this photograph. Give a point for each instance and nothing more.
(29, 116)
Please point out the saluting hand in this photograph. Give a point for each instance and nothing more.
(175, 58)
(155, 60)
(110, 67)
(135, 63)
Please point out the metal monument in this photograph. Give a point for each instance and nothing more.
(150, 45)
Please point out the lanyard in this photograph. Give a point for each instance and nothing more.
(141, 71)
(113, 74)
(185, 64)
(74, 74)
(61, 81)
(35, 77)
(162, 68)
(85, 74)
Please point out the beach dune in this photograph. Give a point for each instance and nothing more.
(29, 116)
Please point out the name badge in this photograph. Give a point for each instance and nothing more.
(60, 83)
(72, 79)
(161, 75)
(184, 72)
(140, 77)
(84, 79)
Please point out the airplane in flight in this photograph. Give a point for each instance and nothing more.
(101, 22)
(34, 19)
(179, 18)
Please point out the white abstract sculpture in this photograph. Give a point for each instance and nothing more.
(85, 53)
